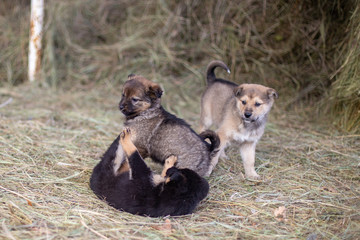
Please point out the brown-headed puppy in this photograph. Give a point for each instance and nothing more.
(158, 134)
(137, 190)
(239, 113)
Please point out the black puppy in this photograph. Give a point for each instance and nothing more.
(134, 188)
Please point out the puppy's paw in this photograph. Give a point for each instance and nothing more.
(125, 135)
(252, 176)
(126, 143)
(169, 162)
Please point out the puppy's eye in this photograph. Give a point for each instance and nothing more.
(257, 104)
(135, 100)
(243, 102)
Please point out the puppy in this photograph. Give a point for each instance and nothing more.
(238, 112)
(158, 134)
(137, 190)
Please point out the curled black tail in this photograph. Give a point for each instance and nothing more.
(210, 75)
(214, 140)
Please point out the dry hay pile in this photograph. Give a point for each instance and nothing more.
(307, 50)
(344, 95)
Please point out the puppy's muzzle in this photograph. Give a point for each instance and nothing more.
(247, 114)
(123, 109)
(249, 117)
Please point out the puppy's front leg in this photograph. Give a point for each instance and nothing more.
(247, 152)
(139, 170)
(119, 160)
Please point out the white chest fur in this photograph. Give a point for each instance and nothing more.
(244, 135)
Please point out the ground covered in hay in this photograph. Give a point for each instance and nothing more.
(50, 141)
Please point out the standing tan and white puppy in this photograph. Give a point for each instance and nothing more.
(239, 113)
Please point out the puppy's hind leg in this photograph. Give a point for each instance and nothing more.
(223, 154)
(120, 164)
(205, 117)
(214, 160)
(213, 163)
(137, 165)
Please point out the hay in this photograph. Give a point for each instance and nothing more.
(50, 141)
(297, 48)
(14, 34)
(344, 96)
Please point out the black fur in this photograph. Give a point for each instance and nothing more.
(139, 195)
(213, 138)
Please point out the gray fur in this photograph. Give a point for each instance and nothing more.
(159, 138)
(158, 134)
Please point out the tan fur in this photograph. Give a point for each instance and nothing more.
(125, 167)
(119, 160)
(126, 143)
(169, 162)
(239, 114)
(121, 164)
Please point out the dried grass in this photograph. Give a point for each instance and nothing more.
(344, 95)
(295, 47)
(50, 141)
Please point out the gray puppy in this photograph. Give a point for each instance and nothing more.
(158, 134)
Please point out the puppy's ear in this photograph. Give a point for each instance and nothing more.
(272, 93)
(155, 91)
(238, 90)
(131, 76)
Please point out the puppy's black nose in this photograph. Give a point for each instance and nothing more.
(247, 114)
(121, 107)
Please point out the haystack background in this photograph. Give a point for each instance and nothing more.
(53, 132)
